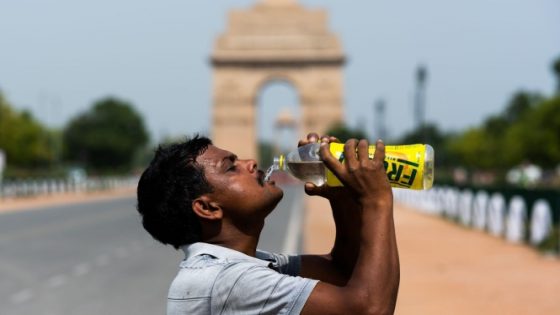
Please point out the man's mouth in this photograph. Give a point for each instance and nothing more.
(260, 177)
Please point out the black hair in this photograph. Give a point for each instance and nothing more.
(167, 189)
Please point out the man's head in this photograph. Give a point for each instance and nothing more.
(192, 190)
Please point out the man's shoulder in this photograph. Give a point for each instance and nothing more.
(198, 275)
(221, 279)
(205, 253)
(195, 277)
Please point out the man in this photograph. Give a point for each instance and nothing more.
(208, 202)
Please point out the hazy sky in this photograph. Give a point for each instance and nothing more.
(58, 56)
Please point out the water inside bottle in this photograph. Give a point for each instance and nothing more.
(309, 171)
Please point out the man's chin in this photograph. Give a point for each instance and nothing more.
(276, 194)
(276, 191)
(271, 185)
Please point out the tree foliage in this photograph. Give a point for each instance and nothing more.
(430, 134)
(26, 142)
(105, 138)
(476, 149)
(536, 137)
(556, 70)
(506, 139)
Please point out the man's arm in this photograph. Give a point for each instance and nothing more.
(336, 266)
(372, 286)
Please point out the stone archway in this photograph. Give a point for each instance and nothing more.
(274, 40)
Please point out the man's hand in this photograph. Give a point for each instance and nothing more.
(372, 284)
(364, 177)
(330, 193)
(340, 262)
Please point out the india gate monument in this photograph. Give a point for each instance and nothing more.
(274, 40)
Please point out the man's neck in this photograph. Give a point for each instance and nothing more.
(233, 238)
(246, 245)
(242, 238)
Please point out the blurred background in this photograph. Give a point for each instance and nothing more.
(88, 90)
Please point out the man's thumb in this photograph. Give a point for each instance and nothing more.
(312, 190)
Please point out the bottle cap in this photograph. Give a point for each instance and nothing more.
(279, 162)
(428, 178)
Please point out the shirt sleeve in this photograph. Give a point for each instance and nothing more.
(248, 288)
(286, 264)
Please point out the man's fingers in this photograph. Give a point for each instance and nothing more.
(334, 139)
(327, 138)
(311, 138)
(363, 154)
(350, 153)
(328, 159)
(312, 190)
(314, 137)
(379, 155)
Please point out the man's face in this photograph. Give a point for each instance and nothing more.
(238, 185)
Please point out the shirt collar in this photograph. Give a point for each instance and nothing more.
(200, 248)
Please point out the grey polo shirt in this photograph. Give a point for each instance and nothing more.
(218, 280)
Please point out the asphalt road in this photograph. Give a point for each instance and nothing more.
(95, 258)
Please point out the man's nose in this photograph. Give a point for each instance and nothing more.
(251, 165)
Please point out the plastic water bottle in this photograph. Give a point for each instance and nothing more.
(408, 166)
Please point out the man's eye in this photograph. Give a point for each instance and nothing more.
(232, 168)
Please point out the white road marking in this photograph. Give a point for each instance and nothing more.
(22, 296)
(78, 271)
(56, 226)
(102, 260)
(290, 245)
(56, 281)
(81, 269)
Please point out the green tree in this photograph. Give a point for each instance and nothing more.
(26, 142)
(430, 134)
(520, 104)
(106, 138)
(556, 70)
(487, 147)
(536, 137)
(475, 149)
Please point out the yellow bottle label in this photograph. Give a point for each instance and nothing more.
(404, 164)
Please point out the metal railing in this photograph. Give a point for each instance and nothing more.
(40, 187)
(518, 215)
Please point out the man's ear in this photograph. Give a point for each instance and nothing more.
(207, 209)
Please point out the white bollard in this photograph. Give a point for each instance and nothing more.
(541, 222)
(465, 207)
(496, 214)
(516, 220)
(452, 202)
(479, 210)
